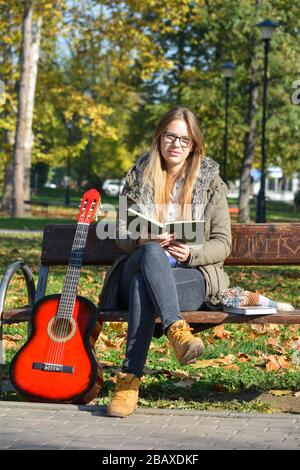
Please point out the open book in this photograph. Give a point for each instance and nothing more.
(189, 231)
(250, 310)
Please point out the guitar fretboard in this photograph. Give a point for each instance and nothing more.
(68, 296)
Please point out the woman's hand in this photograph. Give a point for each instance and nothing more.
(179, 250)
(163, 239)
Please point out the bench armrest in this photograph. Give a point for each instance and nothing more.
(11, 270)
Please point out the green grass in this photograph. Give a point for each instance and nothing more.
(30, 223)
(57, 196)
(276, 211)
(206, 388)
(55, 213)
(58, 213)
(210, 388)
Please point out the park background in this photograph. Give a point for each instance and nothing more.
(83, 85)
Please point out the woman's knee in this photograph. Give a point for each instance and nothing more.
(152, 249)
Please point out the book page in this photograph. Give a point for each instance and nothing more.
(190, 232)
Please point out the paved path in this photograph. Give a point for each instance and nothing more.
(7, 231)
(51, 426)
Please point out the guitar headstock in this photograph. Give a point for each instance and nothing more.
(89, 206)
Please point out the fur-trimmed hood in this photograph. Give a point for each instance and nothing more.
(208, 184)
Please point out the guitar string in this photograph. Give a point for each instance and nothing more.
(53, 352)
(63, 329)
(56, 350)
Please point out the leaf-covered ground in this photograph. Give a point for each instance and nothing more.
(240, 364)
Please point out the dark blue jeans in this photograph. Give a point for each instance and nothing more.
(150, 287)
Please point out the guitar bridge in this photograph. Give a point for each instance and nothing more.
(48, 367)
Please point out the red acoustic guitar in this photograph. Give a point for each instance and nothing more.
(57, 363)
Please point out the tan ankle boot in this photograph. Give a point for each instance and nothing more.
(186, 346)
(125, 397)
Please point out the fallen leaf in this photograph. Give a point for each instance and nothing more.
(188, 383)
(205, 363)
(180, 374)
(158, 372)
(121, 327)
(230, 358)
(210, 339)
(243, 275)
(160, 350)
(264, 328)
(272, 363)
(12, 337)
(106, 363)
(9, 341)
(280, 393)
(297, 394)
(242, 357)
(284, 364)
(9, 344)
(220, 332)
(296, 344)
(232, 367)
(215, 362)
(112, 379)
(277, 362)
(273, 344)
(108, 344)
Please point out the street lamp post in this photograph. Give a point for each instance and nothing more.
(266, 30)
(67, 182)
(68, 176)
(228, 70)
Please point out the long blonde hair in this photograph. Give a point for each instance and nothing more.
(155, 172)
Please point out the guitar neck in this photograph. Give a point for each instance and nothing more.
(68, 295)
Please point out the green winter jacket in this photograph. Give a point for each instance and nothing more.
(210, 191)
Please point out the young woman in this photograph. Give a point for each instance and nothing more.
(159, 275)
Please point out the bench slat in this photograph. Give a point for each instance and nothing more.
(252, 244)
(265, 244)
(17, 315)
(214, 317)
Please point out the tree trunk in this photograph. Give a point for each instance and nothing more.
(8, 135)
(250, 141)
(18, 154)
(7, 199)
(34, 56)
(23, 141)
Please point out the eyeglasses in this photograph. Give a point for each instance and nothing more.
(169, 138)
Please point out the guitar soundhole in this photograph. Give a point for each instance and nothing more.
(61, 329)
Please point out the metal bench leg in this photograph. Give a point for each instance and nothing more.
(11, 270)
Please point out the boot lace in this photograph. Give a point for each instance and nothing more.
(179, 331)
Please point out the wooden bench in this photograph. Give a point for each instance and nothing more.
(253, 245)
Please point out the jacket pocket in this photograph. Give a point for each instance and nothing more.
(216, 279)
